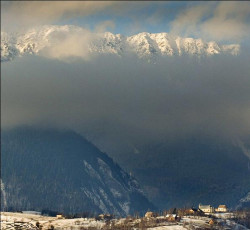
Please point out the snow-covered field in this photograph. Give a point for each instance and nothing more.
(8, 219)
(26, 221)
(172, 227)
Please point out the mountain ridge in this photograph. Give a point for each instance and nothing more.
(143, 45)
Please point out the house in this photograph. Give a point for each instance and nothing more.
(59, 216)
(150, 214)
(211, 222)
(192, 210)
(195, 211)
(105, 217)
(101, 216)
(221, 208)
(206, 208)
(171, 217)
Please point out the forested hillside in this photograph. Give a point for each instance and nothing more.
(61, 171)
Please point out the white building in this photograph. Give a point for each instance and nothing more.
(222, 208)
(206, 208)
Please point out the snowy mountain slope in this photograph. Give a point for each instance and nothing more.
(61, 171)
(245, 201)
(143, 45)
(8, 47)
(246, 198)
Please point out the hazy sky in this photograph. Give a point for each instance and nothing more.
(129, 100)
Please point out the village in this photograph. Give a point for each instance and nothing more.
(204, 217)
(200, 211)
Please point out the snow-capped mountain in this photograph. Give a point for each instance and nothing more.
(143, 45)
(61, 171)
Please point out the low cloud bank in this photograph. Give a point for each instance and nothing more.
(127, 100)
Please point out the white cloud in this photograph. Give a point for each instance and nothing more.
(64, 45)
(227, 21)
(32, 13)
(187, 20)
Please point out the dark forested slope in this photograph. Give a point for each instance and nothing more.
(61, 171)
(191, 171)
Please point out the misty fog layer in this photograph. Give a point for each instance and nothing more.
(127, 100)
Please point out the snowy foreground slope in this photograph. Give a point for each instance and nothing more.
(58, 41)
(29, 221)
